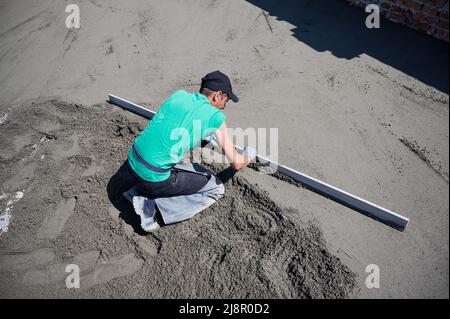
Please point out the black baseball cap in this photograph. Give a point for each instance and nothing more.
(217, 81)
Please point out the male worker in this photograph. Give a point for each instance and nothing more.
(179, 191)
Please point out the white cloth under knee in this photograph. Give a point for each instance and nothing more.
(178, 208)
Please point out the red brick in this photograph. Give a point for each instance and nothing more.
(414, 5)
(396, 9)
(429, 16)
(439, 3)
(386, 6)
(411, 4)
(396, 17)
(408, 13)
(419, 16)
(430, 10)
(443, 24)
(432, 20)
(424, 27)
(444, 14)
(404, 3)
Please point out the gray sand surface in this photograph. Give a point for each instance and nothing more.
(364, 110)
(245, 246)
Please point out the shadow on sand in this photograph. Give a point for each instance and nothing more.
(119, 183)
(335, 26)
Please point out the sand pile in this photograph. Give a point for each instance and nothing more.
(66, 160)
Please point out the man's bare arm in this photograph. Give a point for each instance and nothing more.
(237, 160)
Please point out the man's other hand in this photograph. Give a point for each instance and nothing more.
(250, 152)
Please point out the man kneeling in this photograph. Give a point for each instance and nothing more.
(179, 191)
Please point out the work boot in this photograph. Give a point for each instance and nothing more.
(146, 209)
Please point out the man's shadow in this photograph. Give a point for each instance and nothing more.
(122, 181)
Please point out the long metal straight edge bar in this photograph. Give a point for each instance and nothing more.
(359, 204)
(130, 106)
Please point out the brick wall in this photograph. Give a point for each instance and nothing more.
(428, 16)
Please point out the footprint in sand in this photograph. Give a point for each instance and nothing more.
(118, 266)
(146, 245)
(55, 221)
(57, 272)
(48, 274)
(22, 261)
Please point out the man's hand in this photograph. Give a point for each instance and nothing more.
(250, 152)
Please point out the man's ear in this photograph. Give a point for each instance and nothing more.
(219, 96)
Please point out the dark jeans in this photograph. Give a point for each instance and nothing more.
(180, 182)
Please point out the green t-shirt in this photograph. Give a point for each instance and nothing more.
(179, 125)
